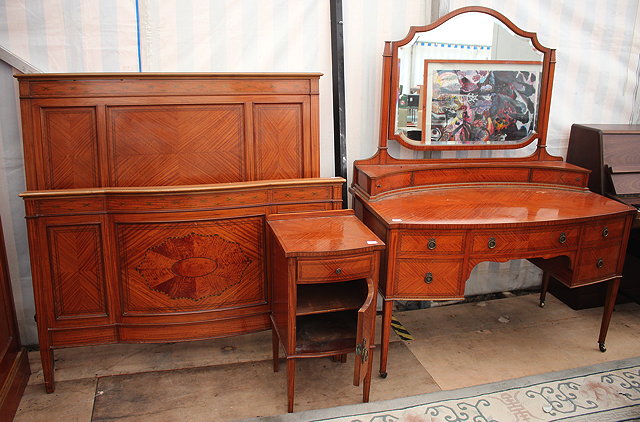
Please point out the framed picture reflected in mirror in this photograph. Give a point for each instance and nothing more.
(480, 101)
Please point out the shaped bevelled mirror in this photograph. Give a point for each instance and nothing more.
(471, 80)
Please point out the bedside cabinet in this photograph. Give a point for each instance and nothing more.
(323, 268)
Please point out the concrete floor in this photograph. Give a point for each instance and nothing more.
(228, 379)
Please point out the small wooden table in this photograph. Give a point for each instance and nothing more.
(324, 275)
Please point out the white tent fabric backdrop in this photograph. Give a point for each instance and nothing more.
(596, 76)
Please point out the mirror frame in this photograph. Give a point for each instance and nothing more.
(391, 79)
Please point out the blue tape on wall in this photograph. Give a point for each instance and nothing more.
(138, 34)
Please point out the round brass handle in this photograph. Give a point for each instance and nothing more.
(431, 244)
(492, 243)
(428, 278)
(605, 231)
(562, 238)
(600, 263)
(338, 270)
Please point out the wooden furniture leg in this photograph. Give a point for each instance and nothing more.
(46, 355)
(544, 288)
(291, 373)
(387, 308)
(342, 358)
(366, 387)
(609, 303)
(275, 344)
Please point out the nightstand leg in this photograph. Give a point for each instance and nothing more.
(275, 344)
(387, 308)
(366, 387)
(291, 373)
(339, 358)
(609, 303)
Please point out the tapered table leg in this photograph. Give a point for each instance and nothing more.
(291, 373)
(387, 308)
(609, 303)
(544, 288)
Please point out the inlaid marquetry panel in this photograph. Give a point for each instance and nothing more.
(278, 141)
(77, 270)
(176, 145)
(69, 147)
(184, 266)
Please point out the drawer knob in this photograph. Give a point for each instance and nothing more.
(491, 243)
(431, 244)
(605, 231)
(562, 238)
(428, 278)
(600, 263)
(338, 270)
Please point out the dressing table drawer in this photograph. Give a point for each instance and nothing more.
(559, 177)
(413, 242)
(429, 278)
(328, 270)
(603, 231)
(525, 241)
(597, 264)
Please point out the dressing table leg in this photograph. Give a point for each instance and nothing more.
(543, 289)
(387, 308)
(609, 303)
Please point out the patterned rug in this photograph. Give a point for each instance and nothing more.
(602, 393)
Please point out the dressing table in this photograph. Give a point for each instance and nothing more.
(441, 216)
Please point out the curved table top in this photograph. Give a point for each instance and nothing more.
(488, 206)
(319, 233)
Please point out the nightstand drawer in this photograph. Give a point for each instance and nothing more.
(428, 278)
(332, 269)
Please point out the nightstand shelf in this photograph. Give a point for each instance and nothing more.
(320, 298)
(328, 333)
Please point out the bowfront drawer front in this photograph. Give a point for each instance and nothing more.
(559, 177)
(596, 264)
(428, 278)
(431, 243)
(512, 240)
(603, 231)
(333, 269)
(390, 182)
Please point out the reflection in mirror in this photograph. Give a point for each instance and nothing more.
(469, 81)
